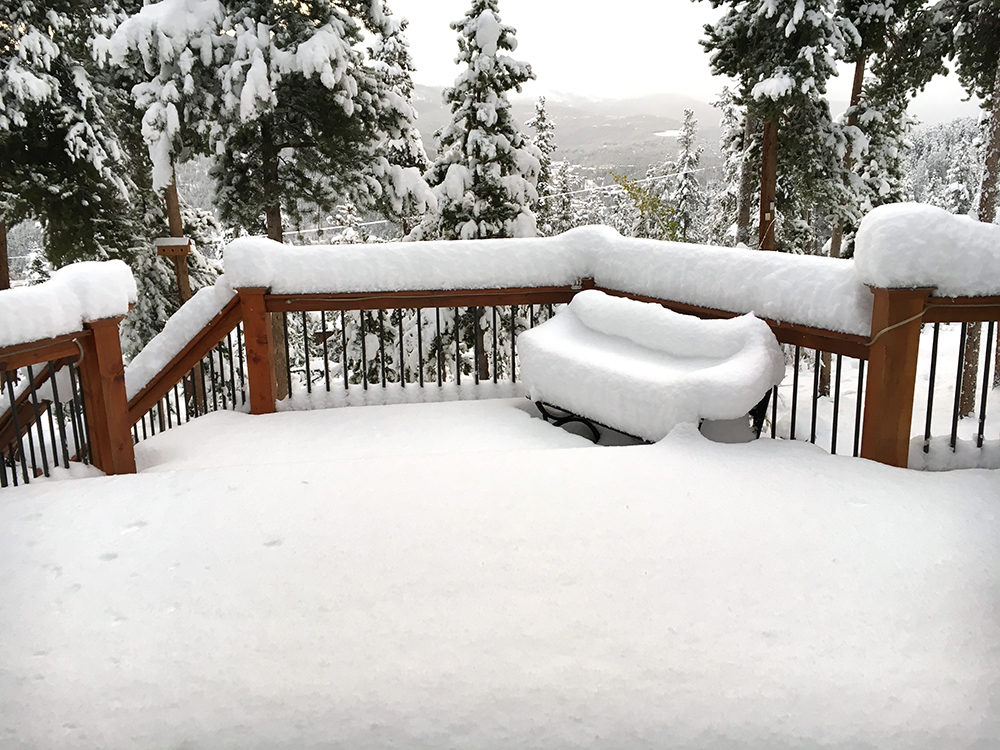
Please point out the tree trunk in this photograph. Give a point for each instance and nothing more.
(987, 213)
(4, 257)
(837, 235)
(177, 230)
(768, 184)
(272, 215)
(745, 197)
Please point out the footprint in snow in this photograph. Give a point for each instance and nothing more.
(273, 543)
(109, 556)
(134, 526)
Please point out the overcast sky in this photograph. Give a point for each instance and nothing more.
(627, 48)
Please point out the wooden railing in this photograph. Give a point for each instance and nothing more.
(96, 414)
(231, 362)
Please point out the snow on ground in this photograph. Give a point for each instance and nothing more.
(461, 575)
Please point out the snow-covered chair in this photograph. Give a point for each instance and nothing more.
(641, 369)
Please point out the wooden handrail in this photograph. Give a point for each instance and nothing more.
(44, 350)
(848, 344)
(200, 345)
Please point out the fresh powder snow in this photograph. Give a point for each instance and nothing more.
(75, 294)
(805, 289)
(915, 245)
(643, 369)
(350, 578)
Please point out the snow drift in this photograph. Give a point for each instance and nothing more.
(809, 290)
(643, 369)
(73, 295)
(910, 245)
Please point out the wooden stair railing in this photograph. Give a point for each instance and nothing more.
(200, 345)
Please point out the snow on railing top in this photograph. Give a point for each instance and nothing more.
(180, 329)
(808, 290)
(910, 245)
(73, 295)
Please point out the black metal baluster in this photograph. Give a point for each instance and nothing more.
(177, 404)
(513, 335)
(326, 350)
(204, 388)
(170, 423)
(458, 351)
(193, 401)
(774, 411)
(857, 408)
(496, 358)
(958, 387)
(76, 430)
(475, 344)
(343, 347)
(288, 353)
(232, 368)
(18, 440)
(86, 453)
(381, 345)
(930, 388)
(402, 349)
(239, 353)
(211, 375)
(531, 316)
(364, 353)
(987, 381)
(795, 393)
(836, 407)
(420, 347)
(305, 343)
(60, 414)
(38, 426)
(817, 364)
(49, 413)
(440, 347)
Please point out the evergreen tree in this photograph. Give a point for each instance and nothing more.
(976, 25)
(544, 141)
(781, 54)
(687, 197)
(486, 172)
(60, 159)
(731, 196)
(404, 196)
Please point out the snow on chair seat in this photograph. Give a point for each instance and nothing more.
(640, 368)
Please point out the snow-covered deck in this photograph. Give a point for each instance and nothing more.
(465, 575)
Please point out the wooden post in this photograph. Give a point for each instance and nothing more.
(768, 184)
(892, 374)
(260, 350)
(102, 376)
(177, 230)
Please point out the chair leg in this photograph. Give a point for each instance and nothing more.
(570, 417)
(758, 413)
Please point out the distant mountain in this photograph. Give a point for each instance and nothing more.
(603, 134)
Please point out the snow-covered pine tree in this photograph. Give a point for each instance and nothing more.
(687, 196)
(544, 141)
(63, 163)
(486, 171)
(730, 196)
(976, 25)
(405, 196)
(899, 42)
(780, 52)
